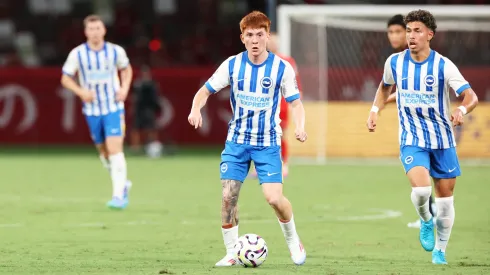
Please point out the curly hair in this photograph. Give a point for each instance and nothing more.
(422, 16)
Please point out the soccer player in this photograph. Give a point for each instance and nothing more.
(257, 79)
(97, 64)
(398, 41)
(272, 46)
(427, 145)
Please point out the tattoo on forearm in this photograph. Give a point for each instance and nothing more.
(229, 202)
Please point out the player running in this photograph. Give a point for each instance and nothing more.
(257, 79)
(272, 46)
(398, 40)
(427, 145)
(97, 63)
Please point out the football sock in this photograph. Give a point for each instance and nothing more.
(118, 174)
(433, 207)
(230, 237)
(105, 163)
(445, 221)
(289, 230)
(420, 199)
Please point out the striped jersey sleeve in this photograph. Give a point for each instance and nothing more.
(220, 79)
(289, 87)
(388, 78)
(70, 67)
(122, 60)
(454, 78)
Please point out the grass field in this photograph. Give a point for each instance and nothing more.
(352, 218)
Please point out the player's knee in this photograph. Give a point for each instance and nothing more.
(102, 150)
(274, 199)
(230, 198)
(114, 145)
(231, 190)
(422, 192)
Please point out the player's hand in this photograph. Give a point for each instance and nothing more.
(195, 118)
(300, 134)
(371, 122)
(87, 95)
(122, 94)
(457, 117)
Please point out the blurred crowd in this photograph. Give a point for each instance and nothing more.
(159, 33)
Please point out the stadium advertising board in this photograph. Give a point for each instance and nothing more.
(35, 109)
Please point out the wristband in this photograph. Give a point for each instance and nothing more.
(374, 109)
(463, 109)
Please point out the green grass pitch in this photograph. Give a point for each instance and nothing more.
(352, 218)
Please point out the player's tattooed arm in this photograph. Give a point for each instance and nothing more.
(229, 202)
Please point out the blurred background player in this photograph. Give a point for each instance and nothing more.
(257, 79)
(427, 142)
(398, 41)
(145, 105)
(273, 47)
(97, 63)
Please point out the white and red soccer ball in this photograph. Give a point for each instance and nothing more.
(251, 250)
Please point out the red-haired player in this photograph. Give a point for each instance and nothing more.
(258, 79)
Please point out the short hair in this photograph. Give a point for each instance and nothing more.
(422, 16)
(255, 20)
(397, 20)
(91, 18)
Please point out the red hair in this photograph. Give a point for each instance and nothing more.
(255, 20)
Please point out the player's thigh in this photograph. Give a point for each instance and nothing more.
(268, 163)
(235, 162)
(444, 163)
(96, 129)
(114, 130)
(444, 187)
(416, 162)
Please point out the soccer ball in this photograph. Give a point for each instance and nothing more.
(251, 250)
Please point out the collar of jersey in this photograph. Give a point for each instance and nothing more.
(245, 53)
(90, 49)
(431, 54)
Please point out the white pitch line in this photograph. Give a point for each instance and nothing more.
(378, 214)
(11, 225)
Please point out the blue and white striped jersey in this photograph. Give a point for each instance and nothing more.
(422, 97)
(98, 71)
(255, 97)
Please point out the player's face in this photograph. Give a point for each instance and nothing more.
(418, 36)
(255, 40)
(95, 31)
(396, 36)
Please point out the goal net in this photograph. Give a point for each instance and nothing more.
(340, 52)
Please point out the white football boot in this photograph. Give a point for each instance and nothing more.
(228, 260)
(298, 252)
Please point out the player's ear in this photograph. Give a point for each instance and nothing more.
(431, 35)
(241, 38)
